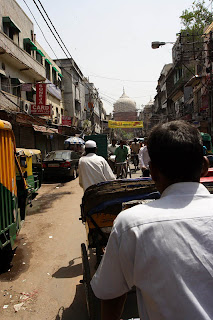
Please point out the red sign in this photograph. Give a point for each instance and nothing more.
(66, 121)
(41, 110)
(41, 94)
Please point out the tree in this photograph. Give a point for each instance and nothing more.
(195, 19)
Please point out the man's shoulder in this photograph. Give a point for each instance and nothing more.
(166, 209)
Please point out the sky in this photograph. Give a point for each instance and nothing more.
(110, 40)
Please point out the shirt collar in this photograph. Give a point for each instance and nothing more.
(185, 188)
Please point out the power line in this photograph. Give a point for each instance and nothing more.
(41, 30)
(117, 79)
(55, 28)
(50, 29)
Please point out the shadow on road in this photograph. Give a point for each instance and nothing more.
(45, 202)
(77, 309)
(71, 271)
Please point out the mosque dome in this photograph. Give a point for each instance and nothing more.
(124, 104)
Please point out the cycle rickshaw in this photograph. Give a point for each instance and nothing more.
(110, 199)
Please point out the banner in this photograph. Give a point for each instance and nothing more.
(41, 94)
(125, 124)
(66, 121)
(41, 110)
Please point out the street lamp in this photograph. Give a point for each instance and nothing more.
(158, 44)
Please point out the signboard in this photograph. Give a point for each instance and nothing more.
(125, 124)
(26, 87)
(41, 94)
(41, 110)
(66, 121)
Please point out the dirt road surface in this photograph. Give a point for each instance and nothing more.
(47, 265)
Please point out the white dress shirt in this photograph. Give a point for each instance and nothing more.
(93, 169)
(165, 249)
(111, 148)
(144, 158)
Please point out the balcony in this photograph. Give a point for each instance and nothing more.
(19, 58)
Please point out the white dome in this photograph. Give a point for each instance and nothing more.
(124, 104)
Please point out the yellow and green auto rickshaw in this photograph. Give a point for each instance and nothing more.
(13, 193)
(31, 166)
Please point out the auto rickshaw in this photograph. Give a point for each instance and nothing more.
(13, 193)
(30, 163)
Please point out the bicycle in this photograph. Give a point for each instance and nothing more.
(121, 170)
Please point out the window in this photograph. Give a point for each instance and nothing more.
(178, 75)
(47, 67)
(29, 45)
(10, 29)
(38, 57)
(54, 76)
(5, 84)
(29, 95)
(16, 87)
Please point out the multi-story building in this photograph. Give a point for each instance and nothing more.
(23, 63)
(80, 97)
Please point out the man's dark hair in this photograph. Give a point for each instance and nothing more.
(176, 149)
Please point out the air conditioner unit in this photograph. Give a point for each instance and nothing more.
(27, 107)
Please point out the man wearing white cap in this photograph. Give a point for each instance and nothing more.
(93, 168)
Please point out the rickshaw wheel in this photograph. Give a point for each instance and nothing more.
(91, 300)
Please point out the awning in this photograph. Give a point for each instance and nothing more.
(32, 45)
(44, 129)
(55, 69)
(10, 23)
(40, 52)
(16, 81)
(3, 72)
(48, 61)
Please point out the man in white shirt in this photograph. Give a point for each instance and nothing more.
(93, 168)
(144, 159)
(164, 248)
(111, 154)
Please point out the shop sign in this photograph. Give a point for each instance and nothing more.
(41, 94)
(66, 121)
(125, 124)
(41, 110)
(26, 87)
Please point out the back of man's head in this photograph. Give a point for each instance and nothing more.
(175, 148)
(90, 146)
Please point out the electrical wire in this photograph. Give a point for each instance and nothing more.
(117, 79)
(40, 29)
(54, 28)
(50, 29)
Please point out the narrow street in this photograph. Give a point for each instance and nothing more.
(47, 264)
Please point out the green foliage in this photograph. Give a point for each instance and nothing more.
(195, 19)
